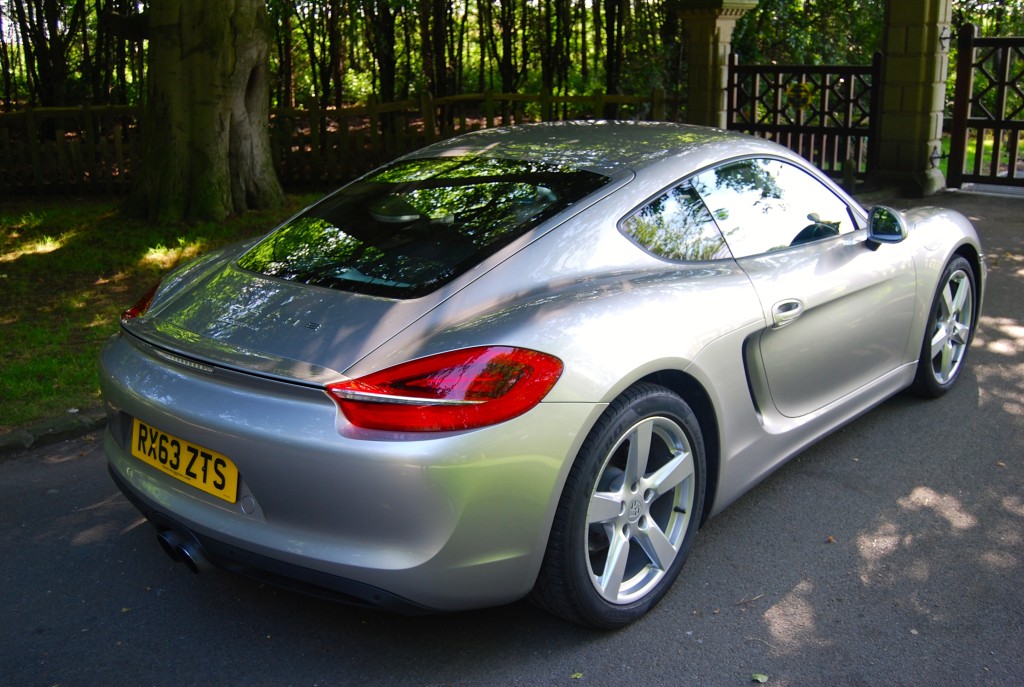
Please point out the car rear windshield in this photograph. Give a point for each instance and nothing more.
(416, 225)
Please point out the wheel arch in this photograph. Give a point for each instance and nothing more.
(694, 394)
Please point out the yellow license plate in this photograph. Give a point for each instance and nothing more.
(193, 464)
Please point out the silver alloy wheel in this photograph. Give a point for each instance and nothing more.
(640, 510)
(951, 326)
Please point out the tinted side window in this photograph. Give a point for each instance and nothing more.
(677, 226)
(765, 205)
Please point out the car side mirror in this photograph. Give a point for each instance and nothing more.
(885, 225)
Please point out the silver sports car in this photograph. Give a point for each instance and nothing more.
(523, 362)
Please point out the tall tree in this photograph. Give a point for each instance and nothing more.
(6, 66)
(616, 16)
(434, 19)
(508, 46)
(281, 13)
(206, 145)
(380, 35)
(48, 28)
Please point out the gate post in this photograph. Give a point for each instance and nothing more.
(961, 104)
(914, 92)
(709, 25)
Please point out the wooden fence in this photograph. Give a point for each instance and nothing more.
(828, 114)
(67, 150)
(987, 134)
(92, 150)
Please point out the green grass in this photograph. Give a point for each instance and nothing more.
(972, 151)
(68, 268)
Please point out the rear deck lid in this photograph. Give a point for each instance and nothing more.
(340, 279)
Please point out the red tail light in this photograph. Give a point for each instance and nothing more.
(142, 305)
(463, 389)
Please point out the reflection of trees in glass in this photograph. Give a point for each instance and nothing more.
(732, 191)
(745, 177)
(762, 205)
(417, 224)
(300, 247)
(678, 226)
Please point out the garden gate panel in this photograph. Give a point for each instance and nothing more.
(988, 111)
(825, 113)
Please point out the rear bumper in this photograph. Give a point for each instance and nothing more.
(444, 522)
(272, 571)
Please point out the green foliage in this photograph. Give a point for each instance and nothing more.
(810, 32)
(344, 51)
(993, 17)
(67, 271)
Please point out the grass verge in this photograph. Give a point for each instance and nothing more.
(68, 267)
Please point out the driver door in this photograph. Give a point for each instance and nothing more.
(837, 313)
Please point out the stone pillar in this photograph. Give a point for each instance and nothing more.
(709, 25)
(915, 68)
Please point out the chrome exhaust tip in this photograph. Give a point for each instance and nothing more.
(183, 549)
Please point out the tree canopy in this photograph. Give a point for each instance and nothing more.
(337, 52)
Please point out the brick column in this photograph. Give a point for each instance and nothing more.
(916, 65)
(709, 25)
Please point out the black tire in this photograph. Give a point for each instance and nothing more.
(950, 329)
(650, 519)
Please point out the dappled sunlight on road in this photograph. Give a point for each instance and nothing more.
(897, 548)
(946, 506)
(792, 621)
(883, 541)
(1008, 259)
(1014, 504)
(1001, 341)
(100, 521)
(1000, 335)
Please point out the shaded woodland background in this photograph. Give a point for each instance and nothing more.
(332, 53)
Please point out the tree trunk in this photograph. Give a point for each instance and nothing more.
(206, 143)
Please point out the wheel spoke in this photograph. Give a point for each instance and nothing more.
(639, 451)
(961, 333)
(946, 361)
(657, 546)
(947, 301)
(939, 342)
(672, 474)
(959, 298)
(610, 580)
(604, 507)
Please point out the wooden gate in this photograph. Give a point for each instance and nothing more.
(825, 113)
(988, 111)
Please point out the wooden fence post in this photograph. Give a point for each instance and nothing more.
(429, 122)
(89, 128)
(489, 109)
(658, 105)
(545, 105)
(598, 104)
(122, 179)
(315, 163)
(34, 144)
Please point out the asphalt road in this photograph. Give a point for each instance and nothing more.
(890, 553)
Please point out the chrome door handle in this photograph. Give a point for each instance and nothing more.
(785, 312)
